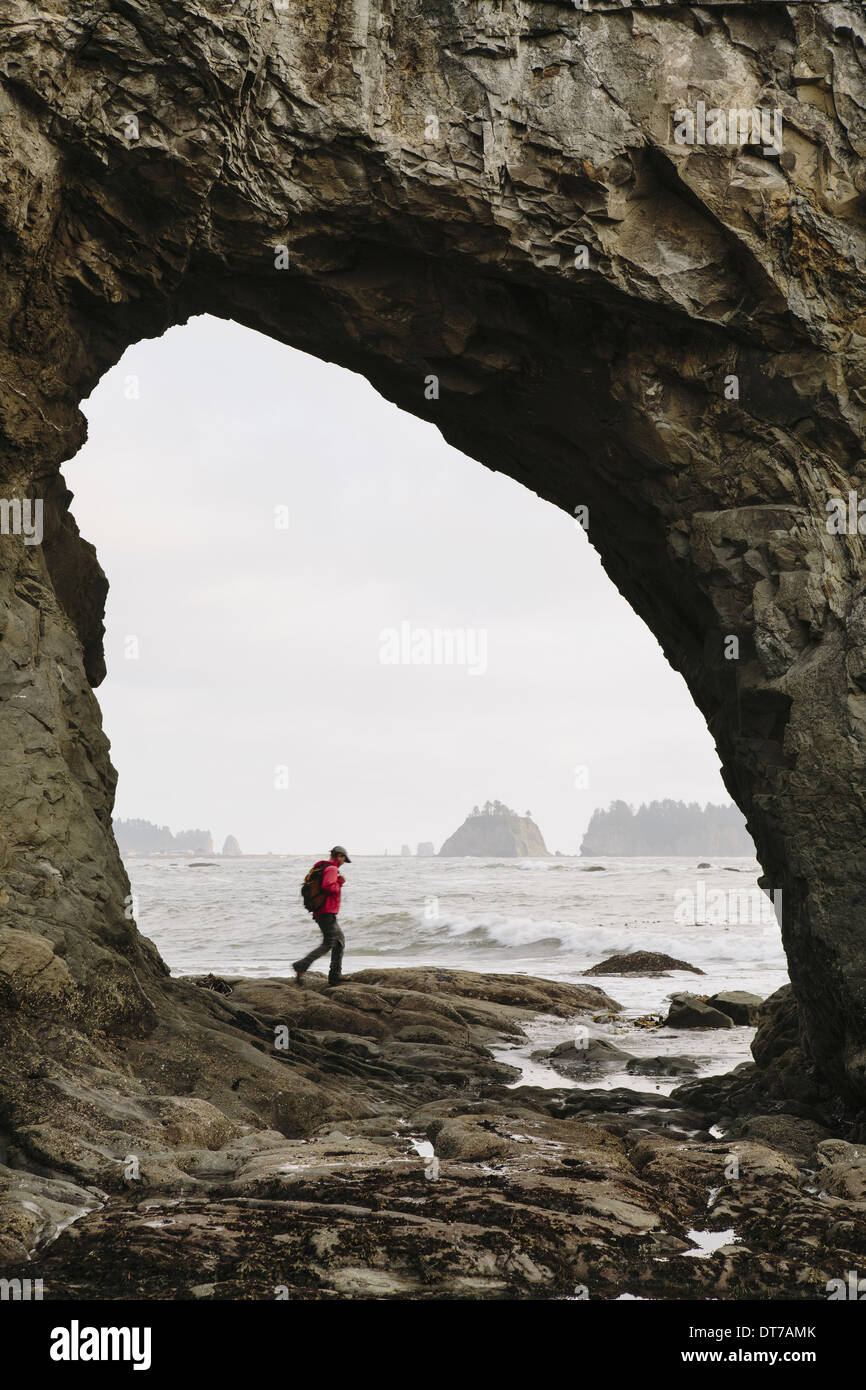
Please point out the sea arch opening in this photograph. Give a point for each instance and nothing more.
(274, 525)
(307, 476)
(575, 399)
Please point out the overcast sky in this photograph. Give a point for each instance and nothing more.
(265, 521)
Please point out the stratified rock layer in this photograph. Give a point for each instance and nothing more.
(491, 195)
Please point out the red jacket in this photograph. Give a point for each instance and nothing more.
(332, 882)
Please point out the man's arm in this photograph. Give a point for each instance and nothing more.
(330, 878)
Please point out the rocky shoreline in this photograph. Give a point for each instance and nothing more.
(395, 1158)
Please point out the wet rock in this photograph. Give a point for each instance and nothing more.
(589, 1057)
(662, 1066)
(842, 1169)
(742, 1007)
(470, 1140)
(34, 1209)
(269, 1058)
(532, 1190)
(789, 1134)
(778, 1028)
(508, 991)
(692, 1011)
(789, 1085)
(619, 1101)
(641, 963)
(513, 1211)
(519, 1208)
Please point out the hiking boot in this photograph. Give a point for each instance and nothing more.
(299, 973)
(332, 983)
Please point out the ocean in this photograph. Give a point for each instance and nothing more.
(553, 918)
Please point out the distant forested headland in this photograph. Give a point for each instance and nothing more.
(667, 827)
(142, 837)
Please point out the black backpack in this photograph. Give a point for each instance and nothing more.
(313, 895)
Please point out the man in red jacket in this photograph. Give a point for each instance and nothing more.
(333, 939)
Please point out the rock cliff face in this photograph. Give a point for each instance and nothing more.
(502, 835)
(491, 195)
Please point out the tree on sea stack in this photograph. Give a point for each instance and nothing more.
(497, 832)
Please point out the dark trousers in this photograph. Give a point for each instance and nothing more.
(333, 940)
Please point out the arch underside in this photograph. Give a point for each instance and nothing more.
(432, 170)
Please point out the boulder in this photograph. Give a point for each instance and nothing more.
(31, 975)
(738, 1004)
(692, 1011)
(640, 963)
(842, 1169)
(662, 1066)
(778, 1027)
(597, 1056)
(468, 1140)
(190, 1122)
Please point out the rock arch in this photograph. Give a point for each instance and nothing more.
(433, 169)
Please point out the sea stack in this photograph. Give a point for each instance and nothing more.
(495, 830)
(231, 848)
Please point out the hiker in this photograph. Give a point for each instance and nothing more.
(321, 896)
